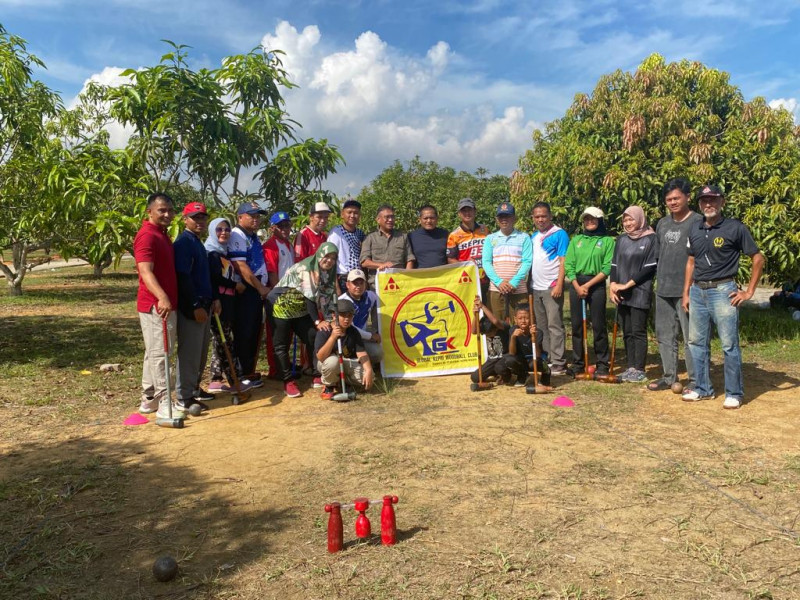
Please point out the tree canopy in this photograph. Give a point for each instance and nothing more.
(620, 144)
(410, 187)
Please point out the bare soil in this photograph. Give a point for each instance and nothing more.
(629, 494)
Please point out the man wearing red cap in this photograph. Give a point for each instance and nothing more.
(195, 306)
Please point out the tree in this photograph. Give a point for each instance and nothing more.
(408, 189)
(210, 128)
(619, 145)
(27, 148)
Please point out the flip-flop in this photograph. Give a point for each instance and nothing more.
(658, 386)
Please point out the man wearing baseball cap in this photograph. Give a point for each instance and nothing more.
(710, 293)
(312, 235)
(507, 257)
(195, 306)
(278, 257)
(247, 256)
(365, 302)
(465, 242)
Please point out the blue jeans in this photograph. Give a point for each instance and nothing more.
(705, 307)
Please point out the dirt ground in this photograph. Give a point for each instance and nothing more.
(629, 494)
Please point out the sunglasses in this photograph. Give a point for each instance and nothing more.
(223, 229)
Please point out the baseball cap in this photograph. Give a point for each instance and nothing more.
(349, 203)
(708, 191)
(279, 217)
(465, 203)
(355, 274)
(345, 306)
(250, 208)
(194, 208)
(505, 208)
(592, 211)
(320, 207)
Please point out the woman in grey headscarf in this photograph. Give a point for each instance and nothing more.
(632, 271)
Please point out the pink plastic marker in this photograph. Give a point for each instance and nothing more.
(136, 419)
(563, 401)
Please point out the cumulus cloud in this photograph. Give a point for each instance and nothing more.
(109, 76)
(789, 104)
(379, 104)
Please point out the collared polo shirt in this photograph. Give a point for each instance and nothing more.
(246, 247)
(278, 255)
(152, 245)
(191, 259)
(716, 249)
(394, 248)
(548, 248)
(508, 257)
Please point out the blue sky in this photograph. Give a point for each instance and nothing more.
(461, 83)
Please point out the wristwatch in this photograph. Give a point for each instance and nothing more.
(316, 322)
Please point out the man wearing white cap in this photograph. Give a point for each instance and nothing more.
(312, 235)
(366, 309)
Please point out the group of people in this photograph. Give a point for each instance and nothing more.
(320, 289)
(689, 262)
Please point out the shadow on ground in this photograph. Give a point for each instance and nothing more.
(60, 341)
(86, 519)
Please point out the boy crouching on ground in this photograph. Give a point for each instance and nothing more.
(496, 332)
(519, 359)
(356, 363)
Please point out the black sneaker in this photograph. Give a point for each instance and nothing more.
(195, 402)
(202, 395)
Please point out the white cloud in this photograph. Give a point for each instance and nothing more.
(109, 76)
(790, 104)
(379, 104)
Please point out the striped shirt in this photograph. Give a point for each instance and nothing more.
(508, 257)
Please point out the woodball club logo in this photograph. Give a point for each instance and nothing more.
(433, 324)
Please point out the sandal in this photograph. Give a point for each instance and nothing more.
(658, 386)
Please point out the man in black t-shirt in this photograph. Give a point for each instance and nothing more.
(355, 360)
(429, 242)
(710, 293)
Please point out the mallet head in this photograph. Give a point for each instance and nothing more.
(340, 397)
(170, 423)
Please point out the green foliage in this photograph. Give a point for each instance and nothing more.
(619, 145)
(409, 188)
(26, 151)
(206, 127)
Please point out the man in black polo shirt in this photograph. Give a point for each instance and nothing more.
(710, 293)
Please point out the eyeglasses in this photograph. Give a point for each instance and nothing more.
(223, 229)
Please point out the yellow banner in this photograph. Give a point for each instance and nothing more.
(425, 320)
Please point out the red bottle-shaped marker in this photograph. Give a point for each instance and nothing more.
(335, 532)
(388, 524)
(363, 529)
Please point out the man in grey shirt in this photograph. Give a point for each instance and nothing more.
(385, 248)
(672, 232)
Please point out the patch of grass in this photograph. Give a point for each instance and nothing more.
(734, 475)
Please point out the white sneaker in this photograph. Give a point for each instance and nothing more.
(163, 412)
(148, 405)
(731, 402)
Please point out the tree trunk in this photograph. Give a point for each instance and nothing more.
(100, 266)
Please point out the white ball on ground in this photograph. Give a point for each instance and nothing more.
(796, 315)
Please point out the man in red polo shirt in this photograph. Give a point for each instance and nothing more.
(312, 235)
(156, 300)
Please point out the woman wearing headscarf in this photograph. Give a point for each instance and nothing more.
(632, 271)
(297, 302)
(224, 286)
(587, 265)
